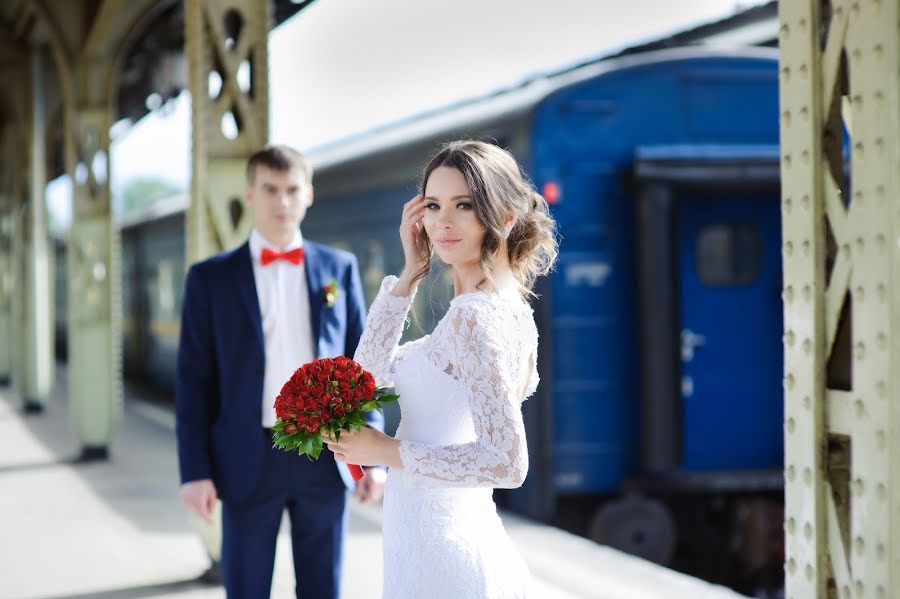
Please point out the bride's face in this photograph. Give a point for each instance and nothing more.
(450, 220)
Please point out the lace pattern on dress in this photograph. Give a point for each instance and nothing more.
(483, 344)
(378, 350)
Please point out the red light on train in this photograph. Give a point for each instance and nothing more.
(551, 192)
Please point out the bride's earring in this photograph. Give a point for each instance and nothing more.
(506, 232)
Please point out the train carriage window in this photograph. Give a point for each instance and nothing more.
(728, 254)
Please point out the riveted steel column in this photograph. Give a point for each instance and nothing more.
(95, 381)
(37, 340)
(7, 272)
(840, 72)
(227, 50)
(6, 287)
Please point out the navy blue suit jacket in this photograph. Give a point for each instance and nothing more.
(221, 361)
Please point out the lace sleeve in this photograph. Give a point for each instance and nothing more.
(483, 359)
(379, 351)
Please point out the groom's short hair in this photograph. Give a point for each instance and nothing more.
(278, 158)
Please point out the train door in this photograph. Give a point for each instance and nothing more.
(728, 272)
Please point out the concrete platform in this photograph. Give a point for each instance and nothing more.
(116, 529)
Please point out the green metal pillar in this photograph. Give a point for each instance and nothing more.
(6, 287)
(36, 343)
(95, 382)
(840, 72)
(228, 124)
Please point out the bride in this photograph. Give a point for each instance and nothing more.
(461, 388)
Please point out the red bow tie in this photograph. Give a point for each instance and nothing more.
(269, 256)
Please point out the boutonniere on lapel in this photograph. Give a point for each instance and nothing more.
(331, 291)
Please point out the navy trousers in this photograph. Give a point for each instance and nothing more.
(316, 500)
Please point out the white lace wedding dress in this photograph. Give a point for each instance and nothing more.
(461, 390)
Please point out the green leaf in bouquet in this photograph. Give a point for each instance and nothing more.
(368, 406)
(387, 397)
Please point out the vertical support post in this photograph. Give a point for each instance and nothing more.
(840, 74)
(227, 44)
(6, 290)
(95, 380)
(37, 341)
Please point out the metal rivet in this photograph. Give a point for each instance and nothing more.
(790, 525)
(859, 588)
(860, 408)
(859, 294)
(860, 244)
(790, 425)
(858, 147)
(881, 242)
(881, 341)
(881, 492)
(791, 472)
(786, 74)
(806, 247)
(789, 338)
(786, 118)
(859, 351)
(787, 204)
(807, 293)
(807, 403)
(859, 545)
(807, 475)
(881, 389)
(789, 381)
(804, 201)
(787, 161)
(809, 572)
(789, 248)
(804, 113)
(807, 531)
(845, 249)
(789, 293)
(858, 487)
(879, 550)
(882, 290)
(881, 440)
(804, 72)
(791, 566)
(807, 348)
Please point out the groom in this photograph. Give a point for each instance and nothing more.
(251, 316)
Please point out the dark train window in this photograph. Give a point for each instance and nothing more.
(728, 254)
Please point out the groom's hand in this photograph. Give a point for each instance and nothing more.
(371, 486)
(200, 496)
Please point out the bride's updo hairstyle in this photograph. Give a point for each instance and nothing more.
(499, 189)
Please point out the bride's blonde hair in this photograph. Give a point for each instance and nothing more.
(499, 189)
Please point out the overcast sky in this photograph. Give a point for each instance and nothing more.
(343, 66)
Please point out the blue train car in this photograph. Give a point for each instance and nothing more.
(660, 406)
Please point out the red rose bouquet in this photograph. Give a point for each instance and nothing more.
(325, 395)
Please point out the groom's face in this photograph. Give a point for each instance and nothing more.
(279, 199)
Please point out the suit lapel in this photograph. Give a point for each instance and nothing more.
(243, 273)
(314, 284)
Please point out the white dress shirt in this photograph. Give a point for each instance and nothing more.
(284, 307)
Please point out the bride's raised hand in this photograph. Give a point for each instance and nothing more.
(412, 237)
